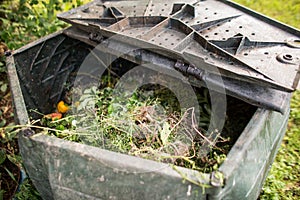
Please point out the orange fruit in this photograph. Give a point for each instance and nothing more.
(54, 116)
(62, 107)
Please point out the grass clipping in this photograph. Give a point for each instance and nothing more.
(148, 124)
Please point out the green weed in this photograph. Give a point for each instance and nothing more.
(27, 191)
(23, 21)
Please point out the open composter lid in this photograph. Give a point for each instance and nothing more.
(258, 57)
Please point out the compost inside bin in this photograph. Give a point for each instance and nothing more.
(148, 123)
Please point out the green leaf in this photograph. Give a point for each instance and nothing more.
(10, 174)
(60, 127)
(9, 128)
(110, 109)
(2, 156)
(165, 133)
(16, 159)
(12, 135)
(34, 2)
(2, 194)
(2, 123)
(3, 88)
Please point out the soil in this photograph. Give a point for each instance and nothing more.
(6, 102)
(6, 182)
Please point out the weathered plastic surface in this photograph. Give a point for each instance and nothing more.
(218, 33)
(65, 170)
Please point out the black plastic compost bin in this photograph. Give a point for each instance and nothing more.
(257, 58)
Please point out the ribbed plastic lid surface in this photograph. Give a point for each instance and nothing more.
(244, 45)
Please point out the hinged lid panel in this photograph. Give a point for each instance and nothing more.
(242, 44)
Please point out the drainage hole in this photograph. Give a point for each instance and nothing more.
(266, 53)
(215, 33)
(288, 57)
(240, 26)
(246, 54)
(226, 30)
